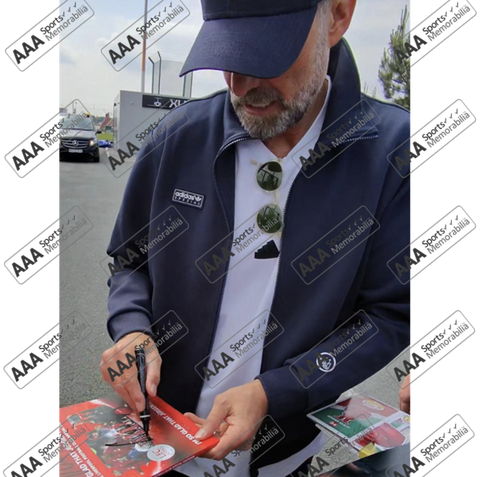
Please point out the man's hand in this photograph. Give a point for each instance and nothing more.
(404, 395)
(236, 414)
(126, 385)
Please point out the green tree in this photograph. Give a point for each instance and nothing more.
(394, 71)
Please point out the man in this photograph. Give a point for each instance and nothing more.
(291, 79)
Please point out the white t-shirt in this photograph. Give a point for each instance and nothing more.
(248, 296)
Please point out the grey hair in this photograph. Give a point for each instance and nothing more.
(321, 19)
(323, 6)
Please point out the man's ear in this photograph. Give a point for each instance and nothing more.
(341, 13)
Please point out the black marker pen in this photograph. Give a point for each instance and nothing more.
(142, 379)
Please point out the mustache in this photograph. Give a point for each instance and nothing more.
(258, 98)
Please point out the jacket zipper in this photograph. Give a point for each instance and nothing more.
(224, 279)
(360, 138)
(285, 214)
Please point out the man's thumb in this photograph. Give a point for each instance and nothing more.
(214, 420)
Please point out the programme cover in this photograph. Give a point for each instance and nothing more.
(89, 429)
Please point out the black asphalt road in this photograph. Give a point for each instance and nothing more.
(83, 283)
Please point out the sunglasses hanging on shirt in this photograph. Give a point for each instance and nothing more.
(269, 178)
(270, 175)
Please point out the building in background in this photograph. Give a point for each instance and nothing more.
(136, 114)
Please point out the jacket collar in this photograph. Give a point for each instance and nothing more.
(345, 94)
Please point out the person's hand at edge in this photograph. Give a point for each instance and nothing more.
(404, 395)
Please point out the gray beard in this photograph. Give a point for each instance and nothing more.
(292, 112)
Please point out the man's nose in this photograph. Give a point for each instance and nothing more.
(241, 84)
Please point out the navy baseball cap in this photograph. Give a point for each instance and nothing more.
(260, 38)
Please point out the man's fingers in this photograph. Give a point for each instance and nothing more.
(404, 395)
(132, 387)
(219, 412)
(405, 405)
(153, 375)
(233, 438)
(122, 392)
(125, 385)
(124, 379)
(198, 421)
(194, 418)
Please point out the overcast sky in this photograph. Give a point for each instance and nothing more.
(86, 75)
